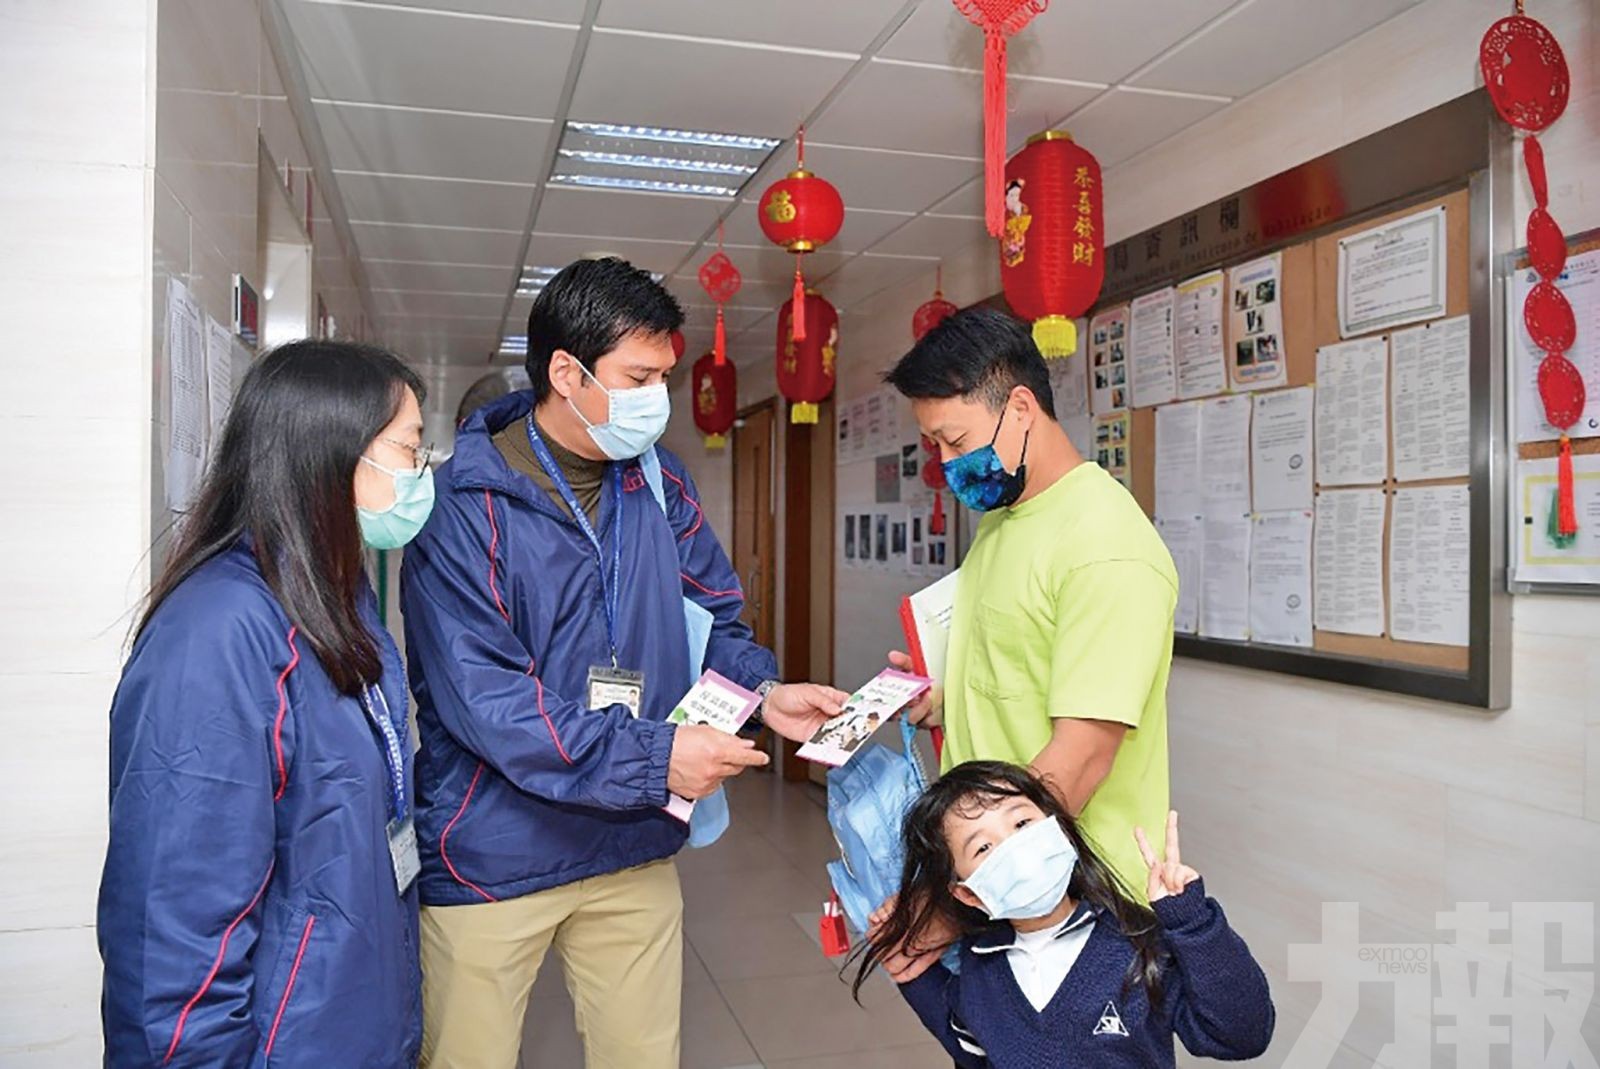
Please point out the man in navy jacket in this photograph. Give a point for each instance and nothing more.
(545, 626)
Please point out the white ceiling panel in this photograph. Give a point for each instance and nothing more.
(435, 345)
(686, 287)
(1084, 40)
(621, 214)
(929, 109)
(698, 317)
(867, 274)
(1124, 122)
(444, 305)
(569, 11)
(388, 55)
(933, 235)
(434, 202)
(1261, 41)
(439, 143)
(966, 201)
(836, 25)
(862, 228)
(656, 81)
(439, 277)
(888, 181)
(451, 246)
(558, 250)
(768, 263)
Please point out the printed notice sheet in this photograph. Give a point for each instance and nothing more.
(219, 379)
(1179, 490)
(867, 710)
(1225, 578)
(1347, 553)
(1352, 430)
(1111, 445)
(1069, 383)
(1280, 578)
(186, 364)
(1580, 284)
(1225, 455)
(1258, 356)
(1541, 557)
(1197, 337)
(1432, 434)
(712, 702)
(1430, 543)
(1392, 274)
(1183, 536)
(1108, 361)
(1151, 330)
(1280, 450)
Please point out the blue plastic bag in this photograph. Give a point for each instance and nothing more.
(867, 803)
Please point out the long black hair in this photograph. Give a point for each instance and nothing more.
(930, 872)
(284, 474)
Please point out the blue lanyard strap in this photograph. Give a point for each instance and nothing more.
(393, 756)
(610, 591)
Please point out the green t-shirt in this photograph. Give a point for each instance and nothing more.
(1064, 609)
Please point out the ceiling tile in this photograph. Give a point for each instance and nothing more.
(618, 213)
(700, 85)
(558, 250)
(769, 263)
(966, 201)
(867, 274)
(686, 287)
(862, 227)
(739, 317)
(385, 242)
(389, 55)
(1262, 41)
(1084, 40)
(888, 181)
(445, 305)
(1124, 122)
(439, 277)
(437, 346)
(569, 11)
(933, 235)
(439, 143)
(432, 202)
(928, 109)
(838, 25)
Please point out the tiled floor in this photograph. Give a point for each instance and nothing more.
(757, 991)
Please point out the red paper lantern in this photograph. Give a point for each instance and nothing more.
(931, 313)
(801, 213)
(679, 345)
(716, 398)
(998, 19)
(806, 365)
(721, 280)
(1052, 251)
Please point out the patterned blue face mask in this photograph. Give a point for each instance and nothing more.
(979, 481)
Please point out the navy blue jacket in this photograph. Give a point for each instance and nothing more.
(1214, 998)
(248, 914)
(520, 787)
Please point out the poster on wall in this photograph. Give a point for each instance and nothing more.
(1257, 358)
(1393, 274)
(1108, 360)
(873, 417)
(1197, 337)
(912, 489)
(1347, 561)
(848, 540)
(1150, 349)
(1280, 578)
(899, 539)
(1280, 450)
(1430, 549)
(1184, 536)
(1430, 399)
(186, 365)
(1537, 556)
(1580, 284)
(1069, 381)
(880, 541)
(844, 441)
(887, 478)
(1112, 440)
(1351, 430)
(219, 380)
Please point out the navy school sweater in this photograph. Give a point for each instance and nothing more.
(1215, 999)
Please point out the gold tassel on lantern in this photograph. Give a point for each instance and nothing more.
(1056, 336)
(804, 412)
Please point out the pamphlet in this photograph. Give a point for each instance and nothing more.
(868, 709)
(713, 702)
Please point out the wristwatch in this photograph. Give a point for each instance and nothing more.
(761, 692)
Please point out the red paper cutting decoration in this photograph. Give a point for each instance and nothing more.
(1052, 254)
(806, 365)
(721, 280)
(998, 19)
(716, 396)
(679, 345)
(1526, 75)
(933, 312)
(801, 213)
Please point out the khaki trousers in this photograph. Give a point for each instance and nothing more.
(620, 938)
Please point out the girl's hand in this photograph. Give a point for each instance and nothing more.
(1167, 877)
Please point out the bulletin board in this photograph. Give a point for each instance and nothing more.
(1303, 215)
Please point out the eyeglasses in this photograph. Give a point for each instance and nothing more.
(422, 455)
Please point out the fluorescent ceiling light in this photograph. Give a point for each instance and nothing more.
(535, 278)
(655, 159)
(650, 185)
(675, 137)
(662, 163)
(514, 345)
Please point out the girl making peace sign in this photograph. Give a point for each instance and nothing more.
(1060, 964)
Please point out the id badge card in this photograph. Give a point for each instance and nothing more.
(610, 686)
(403, 853)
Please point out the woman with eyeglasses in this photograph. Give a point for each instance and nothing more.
(258, 903)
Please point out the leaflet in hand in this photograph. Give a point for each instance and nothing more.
(868, 709)
(713, 702)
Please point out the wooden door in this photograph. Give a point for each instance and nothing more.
(754, 532)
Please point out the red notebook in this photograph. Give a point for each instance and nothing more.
(925, 618)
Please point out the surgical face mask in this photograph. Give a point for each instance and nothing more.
(636, 419)
(979, 481)
(398, 524)
(1027, 875)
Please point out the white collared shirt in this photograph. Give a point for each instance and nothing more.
(1041, 960)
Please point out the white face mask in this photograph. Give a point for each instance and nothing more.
(1027, 875)
(636, 418)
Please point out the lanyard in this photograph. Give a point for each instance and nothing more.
(610, 592)
(392, 754)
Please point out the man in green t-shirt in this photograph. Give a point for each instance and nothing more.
(1062, 634)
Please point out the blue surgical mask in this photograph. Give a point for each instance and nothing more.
(979, 481)
(1027, 875)
(636, 419)
(398, 524)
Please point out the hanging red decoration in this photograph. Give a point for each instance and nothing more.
(801, 213)
(933, 479)
(806, 365)
(933, 312)
(721, 280)
(716, 396)
(1052, 255)
(998, 19)
(679, 345)
(1526, 75)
